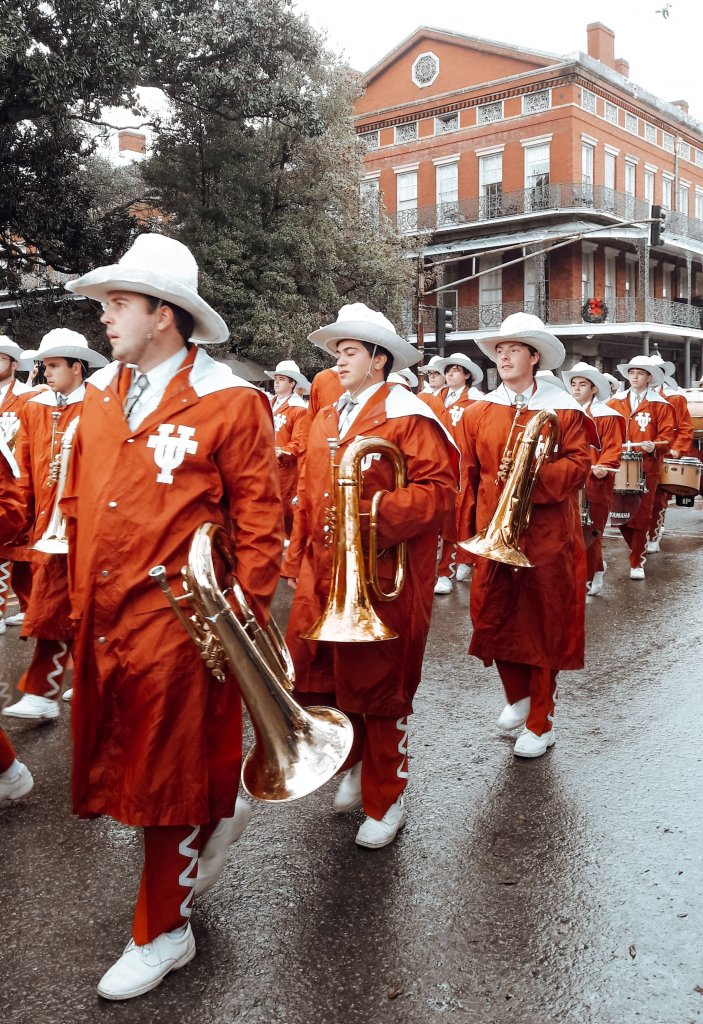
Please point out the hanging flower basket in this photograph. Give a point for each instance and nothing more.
(594, 311)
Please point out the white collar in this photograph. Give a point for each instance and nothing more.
(545, 396)
(49, 397)
(161, 375)
(362, 398)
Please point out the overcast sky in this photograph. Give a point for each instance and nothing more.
(665, 54)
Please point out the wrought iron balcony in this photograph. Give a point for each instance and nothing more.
(623, 310)
(536, 200)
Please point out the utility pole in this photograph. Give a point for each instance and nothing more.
(420, 302)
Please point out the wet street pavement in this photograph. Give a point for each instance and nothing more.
(566, 889)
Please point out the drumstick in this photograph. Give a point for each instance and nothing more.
(632, 444)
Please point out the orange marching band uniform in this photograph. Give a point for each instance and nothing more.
(680, 447)
(291, 425)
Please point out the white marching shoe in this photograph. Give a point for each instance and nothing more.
(38, 709)
(374, 834)
(652, 547)
(443, 585)
(15, 620)
(213, 857)
(17, 786)
(513, 716)
(529, 745)
(67, 694)
(141, 968)
(463, 573)
(637, 574)
(348, 796)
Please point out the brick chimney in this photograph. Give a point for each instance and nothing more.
(131, 141)
(601, 43)
(622, 66)
(681, 104)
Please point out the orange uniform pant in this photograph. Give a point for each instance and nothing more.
(7, 752)
(47, 669)
(17, 575)
(165, 900)
(539, 684)
(381, 744)
(656, 525)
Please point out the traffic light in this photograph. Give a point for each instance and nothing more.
(444, 325)
(656, 228)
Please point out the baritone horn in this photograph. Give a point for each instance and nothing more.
(296, 750)
(499, 541)
(349, 616)
(54, 540)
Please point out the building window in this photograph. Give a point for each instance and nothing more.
(611, 113)
(649, 185)
(447, 182)
(668, 142)
(631, 283)
(682, 199)
(446, 123)
(610, 279)
(587, 160)
(650, 133)
(699, 158)
(425, 69)
(533, 102)
(588, 101)
(370, 139)
(685, 151)
(488, 113)
(699, 205)
(537, 177)
(588, 276)
(667, 191)
(630, 177)
(667, 271)
(490, 289)
(631, 123)
(370, 192)
(406, 204)
(490, 183)
(406, 132)
(682, 284)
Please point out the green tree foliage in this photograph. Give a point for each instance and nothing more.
(62, 62)
(274, 216)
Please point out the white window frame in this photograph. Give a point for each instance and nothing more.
(447, 200)
(588, 270)
(611, 275)
(490, 286)
(490, 198)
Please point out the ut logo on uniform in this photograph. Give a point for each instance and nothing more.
(8, 421)
(643, 420)
(455, 412)
(169, 451)
(279, 420)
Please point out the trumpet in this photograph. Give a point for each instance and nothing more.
(348, 615)
(500, 539)
(54, 540)
(296, 750)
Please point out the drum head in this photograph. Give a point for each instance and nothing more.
(623, 508)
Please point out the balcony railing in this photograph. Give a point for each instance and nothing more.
(540, 199)
(568, 311)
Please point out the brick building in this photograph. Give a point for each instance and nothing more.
(495, 152)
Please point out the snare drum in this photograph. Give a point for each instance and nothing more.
(629, 477)
(694, 398)
(681, 476)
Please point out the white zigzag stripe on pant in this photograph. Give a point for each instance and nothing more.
(188, 875)
(402, 727)
(54, 677)
(5, 568)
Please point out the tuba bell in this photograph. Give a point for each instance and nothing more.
(54, 540)
(499, 541)
(296, 750)
(349, 616)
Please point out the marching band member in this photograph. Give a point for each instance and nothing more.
(529, 621)
(683, 439)
(15, 565)
(651, 427)
(373, 683)
(551, 378)
(45, 419)
(405, 379)
(613, 383)
(435, 388)
(15, 778)
(592, 391)
(169, 438)
(325, 389)
(463, 376)
(291, 424)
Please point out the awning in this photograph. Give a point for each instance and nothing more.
(536, 236)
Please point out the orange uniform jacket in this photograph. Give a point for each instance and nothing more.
(291, 425)
(653, 419)
(375, 678)
(530, 616)
(156, 738)
(48, 613)
(11, 503)
(14, 399)
(683, 438)
(326, 388)
(610, 427)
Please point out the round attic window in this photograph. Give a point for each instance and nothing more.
(425, 69)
